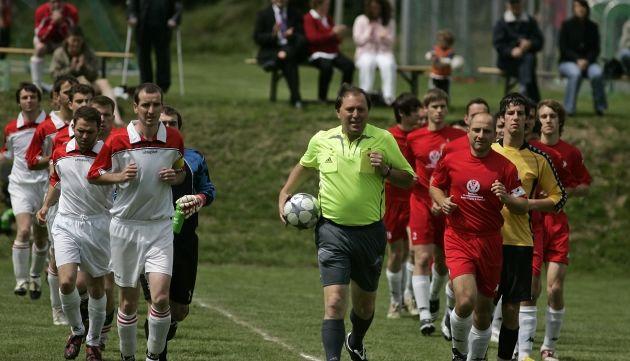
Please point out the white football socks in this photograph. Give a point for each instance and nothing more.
(70, 304)
(159, 323)
(478, 343)
(38, 260)
(20, 261)
(394, 279)
(96, 313)
(437, 283)
(527, 330)
(53, 283)
(127, 328)
(460, 329)
(421, 286)
(552, 329)
(408, 270)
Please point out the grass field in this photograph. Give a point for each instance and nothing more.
(258, 295)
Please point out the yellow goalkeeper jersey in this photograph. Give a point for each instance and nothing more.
(536, 172)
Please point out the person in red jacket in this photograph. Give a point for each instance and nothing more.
(323, 38)
(53, 20)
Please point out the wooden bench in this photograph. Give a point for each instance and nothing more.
(104, 55)
(511, 82)
(410, 73)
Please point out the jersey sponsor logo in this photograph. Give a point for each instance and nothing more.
(434, 157)
(329, 160)
(473, 186)
(149, 151)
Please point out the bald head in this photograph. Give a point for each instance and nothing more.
(481, 133)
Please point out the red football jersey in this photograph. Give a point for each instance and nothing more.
(461, 143)
(426, 147)
(574, 162)
(392, 192)
(468, 180)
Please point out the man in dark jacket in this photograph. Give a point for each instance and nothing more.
(154, 21)
(517, 38)
(280, 35)
(579, 49)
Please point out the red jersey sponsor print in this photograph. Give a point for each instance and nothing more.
(426, 147)
(79, 197)
(17, 138)
(42, 142)
(145, 198)
(468, 180)
(393, 193)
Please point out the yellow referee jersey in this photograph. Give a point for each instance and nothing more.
(535, 171)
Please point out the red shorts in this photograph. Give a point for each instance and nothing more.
(424, 227)
(396, 219)
(551, 241)
(481, 256)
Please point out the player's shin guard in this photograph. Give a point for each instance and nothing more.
(507, 342)
(526, 331)
(437, 283)
(70, 304)
(38, 260)
(460, 329)
(20, 261)
(159, 324)
(421, 286)
(552, 328)
(96, 311)
(478, 343)
(127, 328)
(394, 280)
(333, 336)
(53, 283)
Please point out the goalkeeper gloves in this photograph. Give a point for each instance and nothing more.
(191, 204)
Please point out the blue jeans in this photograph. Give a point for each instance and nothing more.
(574, 75)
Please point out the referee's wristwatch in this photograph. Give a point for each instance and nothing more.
(389, 172)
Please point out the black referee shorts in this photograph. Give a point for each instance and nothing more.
(516, 275)
(347, 253)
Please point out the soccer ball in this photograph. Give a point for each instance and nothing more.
(301, 211)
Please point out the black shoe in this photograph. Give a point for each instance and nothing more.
(457, 356)
(599, 113)
(355, 355)
(127, 358)
(35, 288)
(163, 354)
(434, 308)
(152, 356)
(426, 327)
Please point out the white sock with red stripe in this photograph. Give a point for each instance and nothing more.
(53, 283)
(96, 312)
(127, 329)
(107, 326)
(38, 260)
(20, 261)
(70, 304)
(421, 284)
(437, 283)
(159, 323)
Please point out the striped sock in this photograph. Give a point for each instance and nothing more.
(159, 323)
(127, 329)
(107, 326)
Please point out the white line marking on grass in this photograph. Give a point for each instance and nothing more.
(262, 333)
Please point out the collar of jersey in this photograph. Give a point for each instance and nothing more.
(135, 137)
(72, 146)
(40, 118)
(500, 141)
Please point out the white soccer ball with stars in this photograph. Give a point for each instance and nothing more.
(301, 211)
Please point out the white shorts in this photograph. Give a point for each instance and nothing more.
(83, 240)
(27, 197)
(138, 246)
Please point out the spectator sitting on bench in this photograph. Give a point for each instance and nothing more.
(53, 21)
(323, 38)
(75, 58)
(517, 38)
(280, 36)
(374, 33)
(579, 49)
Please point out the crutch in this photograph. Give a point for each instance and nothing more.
(180, 61)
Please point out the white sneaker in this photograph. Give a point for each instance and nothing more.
(410, 306)
(394, 311)
(59, 318)
(446, 326)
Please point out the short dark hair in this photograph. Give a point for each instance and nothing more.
(386, 10)
(350, 89)
(447, 35)
(148, 88)
(29, 87)
(477, 100)
(557, 107)
(514, 99)
(434, 95)
(61, 80)
(405, 103)
(76, 31)
(172, 112)
(81, 89)
(104, 101)
(89, 114)
(585, 5)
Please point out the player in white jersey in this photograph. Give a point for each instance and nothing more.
(26, 189)
(81, 231)
(143, 162)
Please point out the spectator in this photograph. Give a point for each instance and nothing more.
(441, 57)
(579, 49)
(624, 47)
(324, 38)
(154, 21)
(280, 35)
(75, 58)
(374, 33)
(5, 24)
(53, 21)
(517, 38)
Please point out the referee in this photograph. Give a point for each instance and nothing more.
(353, 160)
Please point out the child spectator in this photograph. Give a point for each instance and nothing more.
(441, 57)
